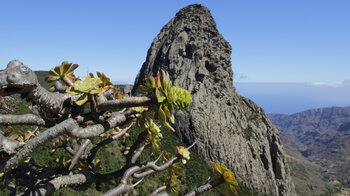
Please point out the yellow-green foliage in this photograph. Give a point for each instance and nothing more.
(169, 97)
(221, 171)
(60, 71)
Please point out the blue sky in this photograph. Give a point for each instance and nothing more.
(278, 41)
(272, 40)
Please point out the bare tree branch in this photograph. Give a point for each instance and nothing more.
(115, 120)
(59, 87)
(78, 154)
(32, 171)
(61, 108)
(9, 146)
(37, 141)
(138, 153)
(154, 168)
(158, 191)
(210, 185)
(66, 147)
(95, 149)
(124, 103)
(48, 187)
(123, 187)
(139, 140)
(23, 119)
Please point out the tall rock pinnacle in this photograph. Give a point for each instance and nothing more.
(232, 129)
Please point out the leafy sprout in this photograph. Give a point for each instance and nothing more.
(154, 135)
(63, 72)
(185, 153)
(106, 83)
(221, 171)
(169, 97)
(86, 86)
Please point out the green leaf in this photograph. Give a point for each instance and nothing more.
(172, 118)
(72, 91)
(161, 115)
(228, 177)
(185, 153)
(227, 189)
(87, 84)
(64, 68)
(150, 82)
(233, 190)
(72, 68)
(54, 72)
(83, 99)
(97, 91)
(167, 112)
(52, 78)
(160, 96)
(167, 125)
(217, 168)
(144, 89)
(174, 186)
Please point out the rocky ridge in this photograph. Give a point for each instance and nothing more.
(232, 129)
(320, 136)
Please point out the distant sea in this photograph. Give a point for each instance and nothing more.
(288, 98)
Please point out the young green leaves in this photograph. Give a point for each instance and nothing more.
(86, 86)
(106, 83)
(63, 72)
(169, 97)
(90, 86)
(154, 135)
(184, 152)
(221, 171)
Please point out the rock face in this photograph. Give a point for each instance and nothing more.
(232, 129)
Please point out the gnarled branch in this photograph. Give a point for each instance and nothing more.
(37, 141)
(124, 103)
(23, 119)
(116, 119)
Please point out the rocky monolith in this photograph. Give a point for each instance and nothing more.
(232, 129)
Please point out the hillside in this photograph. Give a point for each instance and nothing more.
(319, 138)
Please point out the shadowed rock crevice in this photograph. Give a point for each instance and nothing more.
(232, 129)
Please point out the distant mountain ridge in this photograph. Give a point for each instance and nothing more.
(321, 136)
(289, 98)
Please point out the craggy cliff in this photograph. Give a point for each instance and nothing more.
(232, 129)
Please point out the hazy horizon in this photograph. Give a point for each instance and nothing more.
(289, 98)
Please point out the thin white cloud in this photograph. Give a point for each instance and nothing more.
(332, 84)
(240, 76)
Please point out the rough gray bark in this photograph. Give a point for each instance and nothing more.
(124, 103)
(18, 78)
(233, 130)
(205, 187)
(24, 119)
(39, 140)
